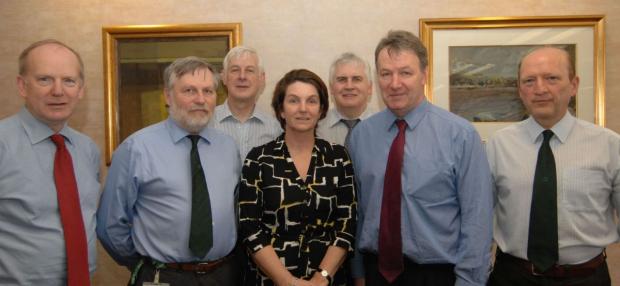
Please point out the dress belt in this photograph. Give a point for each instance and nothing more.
(197, 267)
(557, 271)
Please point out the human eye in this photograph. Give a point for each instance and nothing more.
(385, 74)
(44, 80)
(341, 79)
(527, 81)
(70, 82)
(189, 91)
(358, 79)
(292, 99)
(208, 91)
(552, 78)
(314, 100)
(251, 70)
(406, 73)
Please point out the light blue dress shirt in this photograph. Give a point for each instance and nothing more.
(447, 203)
(145, 208)
(32, 244)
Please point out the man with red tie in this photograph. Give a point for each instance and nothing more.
(424, 186)
(49, 175)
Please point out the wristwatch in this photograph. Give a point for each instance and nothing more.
(325, 275)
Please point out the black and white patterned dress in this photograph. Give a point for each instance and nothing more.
(299, 218)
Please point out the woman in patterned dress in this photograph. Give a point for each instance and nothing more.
(297, 205)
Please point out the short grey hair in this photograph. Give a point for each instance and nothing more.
(346, 58)
(239, 51)
(397, 41)
(190, 64)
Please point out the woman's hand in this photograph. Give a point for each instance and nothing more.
(318, 280)
(300, 282)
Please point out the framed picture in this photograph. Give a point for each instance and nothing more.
(134, 60)
(473, 64)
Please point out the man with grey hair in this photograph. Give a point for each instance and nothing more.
(351, 89)
(424, 186)
(238, 116)
(167, 209)
(49, 175)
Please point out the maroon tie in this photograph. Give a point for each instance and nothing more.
(390, 243)
(70, 215)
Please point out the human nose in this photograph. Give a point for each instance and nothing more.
(200, 98)
(57, 88)
(395, 82)
(242, 75)
(540, 86)
(348, 84)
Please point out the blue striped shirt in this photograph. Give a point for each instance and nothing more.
(259, 129)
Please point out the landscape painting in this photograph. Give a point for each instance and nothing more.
(483, 82)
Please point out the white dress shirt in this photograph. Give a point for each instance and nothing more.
(587, 159)
(259, 129)
(333, 130)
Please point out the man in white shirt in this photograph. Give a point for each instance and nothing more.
(351, 90)
(244, 76)
(583, 171)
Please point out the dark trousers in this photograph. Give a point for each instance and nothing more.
(413, 275)
(506, 273)
(227, 274)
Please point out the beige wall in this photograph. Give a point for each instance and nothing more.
(288, 34)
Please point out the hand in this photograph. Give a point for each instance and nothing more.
(318, 280)
(301, 282)
(294, 281)
(359, 282)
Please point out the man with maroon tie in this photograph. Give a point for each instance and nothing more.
(424, 186)
(49, 175)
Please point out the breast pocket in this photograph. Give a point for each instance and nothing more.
(585, 189)
(432, 183)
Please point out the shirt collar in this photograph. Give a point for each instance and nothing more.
(333, 117)
(222, 112)
(38, 131)
(177, 133)
(413, 117)
(561, 129)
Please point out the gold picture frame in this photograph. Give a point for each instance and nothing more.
(134, 58)
(585, 33)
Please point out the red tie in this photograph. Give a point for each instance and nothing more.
(390, 243)
(70, 215)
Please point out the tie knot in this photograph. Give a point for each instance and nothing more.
(547, 134)
(350, 123)
(194, 139)
(401, 124)
(58, 140)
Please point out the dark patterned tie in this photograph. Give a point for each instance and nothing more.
(201, 232)
(70, 215)
(542, 247)
(350, 123)
(390, 243)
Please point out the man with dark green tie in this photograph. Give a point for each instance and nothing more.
(557, 183)
(167, 210)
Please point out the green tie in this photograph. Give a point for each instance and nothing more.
(542, 247)
(201, 232)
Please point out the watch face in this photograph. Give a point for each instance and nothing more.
(324, 273)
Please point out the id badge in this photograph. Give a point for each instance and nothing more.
(155, 281)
